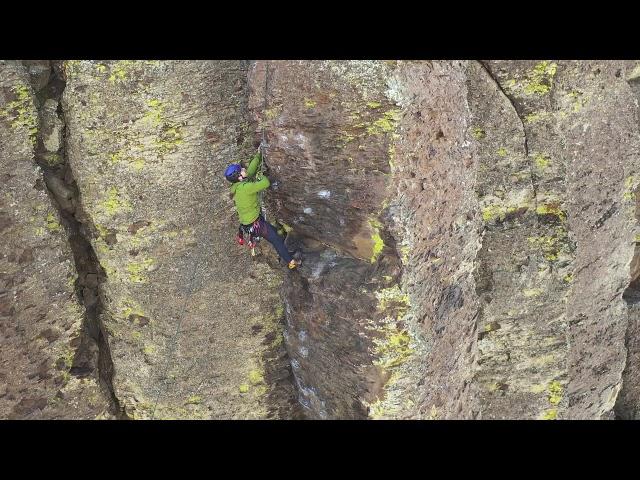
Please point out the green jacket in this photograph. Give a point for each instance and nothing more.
(245, 193)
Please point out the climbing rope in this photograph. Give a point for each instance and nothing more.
(263, 144)
(174, 339)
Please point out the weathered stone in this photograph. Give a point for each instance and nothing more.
(61, 191)
(39, 71)
(38, 307)
(153, 193)
(329, 129)
(91, 280)
(469, 234)
(51, 126)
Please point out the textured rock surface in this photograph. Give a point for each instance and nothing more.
(193, 325)
(436, 214)
(469, 233)
(330, 127)
(546, 339)
(41, 318)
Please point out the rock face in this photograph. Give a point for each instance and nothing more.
(469, 234)
(545, 334)
(436, 213)
(47, 369)
(193, 325)
(329, 129)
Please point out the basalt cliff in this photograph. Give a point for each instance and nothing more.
(469, 230)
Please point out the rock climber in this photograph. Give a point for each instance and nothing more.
(246, 183)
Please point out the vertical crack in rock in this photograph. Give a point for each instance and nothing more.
(524, 133)
(93, 351)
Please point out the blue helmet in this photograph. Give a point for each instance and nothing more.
(233, 172)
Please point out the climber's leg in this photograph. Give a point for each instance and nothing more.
(271, 235)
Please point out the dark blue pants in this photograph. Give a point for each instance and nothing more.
(270, 234)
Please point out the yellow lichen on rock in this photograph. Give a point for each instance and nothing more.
(21, 112)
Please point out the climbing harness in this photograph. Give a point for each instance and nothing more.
(256, 230)
(254, 233)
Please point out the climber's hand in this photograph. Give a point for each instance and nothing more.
(275, 184)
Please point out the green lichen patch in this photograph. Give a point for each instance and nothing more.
(491, 327)
(630, 187)
(345, 138)
(169, 138)
(120, 70)
(537, 81)
(150, 349)
(114, 203)
(256, 377)
(392, 345)
(577, 100)
(193, 400)
(550, 245)
(155, 112)
(499, 213)
(65, 359)
(273, 112)
(255, 382)
(394, 348)
(551, 209)
(405, 250)
(554, 397)
(536, 117)
(70, 68)
(378, 243)
(541, 160)
(374, 105)
(478, 133)
(393, 299)
(169, 133)
(52, 223)
(123, 157)
(502, 206)
(136, 270)
(540, 79)
(21, 112)
(308, 103)
(385, 124)
(52, 159)
(502, 152)
(555, 392)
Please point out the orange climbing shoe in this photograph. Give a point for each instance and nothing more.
(294, 263)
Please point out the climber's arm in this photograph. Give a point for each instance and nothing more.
(253, 187)
(254, 164)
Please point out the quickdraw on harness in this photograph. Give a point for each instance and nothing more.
(254, 233)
